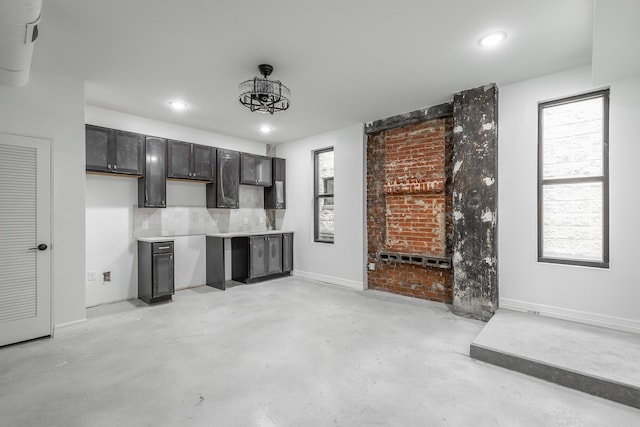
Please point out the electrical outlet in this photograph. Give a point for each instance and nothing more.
(145, 225)
(245, 221)
(92, 276)
(372, 266)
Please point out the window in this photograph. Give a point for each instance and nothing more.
(573, 180)
(323, 196)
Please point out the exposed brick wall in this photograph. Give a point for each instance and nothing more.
(409, 206)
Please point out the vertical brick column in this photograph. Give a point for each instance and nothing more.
(475, 170)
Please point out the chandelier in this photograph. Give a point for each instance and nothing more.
(264, 95)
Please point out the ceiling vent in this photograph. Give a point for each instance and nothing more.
(19, 21)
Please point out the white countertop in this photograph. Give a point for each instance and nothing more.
(247, 233)
(156, 239)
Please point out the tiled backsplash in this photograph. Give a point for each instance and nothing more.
(192, 220)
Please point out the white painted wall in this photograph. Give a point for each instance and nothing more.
(342, 262)
(607, 297)
(110, 245)
(615, 37)
(51, 106)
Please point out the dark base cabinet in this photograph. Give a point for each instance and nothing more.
(256, 258)
(155, 271)
(287, 252)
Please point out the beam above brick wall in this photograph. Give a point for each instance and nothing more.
(414, 117)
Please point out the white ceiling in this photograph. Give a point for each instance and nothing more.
(346, 61)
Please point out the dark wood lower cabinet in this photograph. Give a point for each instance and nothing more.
(155, 271)
(287, 252)
(256, 258)
(253, 258)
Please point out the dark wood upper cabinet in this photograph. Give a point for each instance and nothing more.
(152, 187)
(275, 196)
(225, 192)
(255, 170)
(113, 151)
(189, 161)
(202, 165)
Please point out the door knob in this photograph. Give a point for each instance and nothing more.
(40, 247)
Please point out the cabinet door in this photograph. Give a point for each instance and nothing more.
(98, 142)
(263, 170)
(155, 174)
(202, 162)
(287, 252)
(248, 169)
(257, 256)
(162, 275)
(178, 159)
(275, 196)
(274, 255)
(127, 153)
(228, 178)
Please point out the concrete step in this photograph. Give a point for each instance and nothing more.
(599, 361)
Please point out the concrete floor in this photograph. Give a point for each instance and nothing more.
(281, 353)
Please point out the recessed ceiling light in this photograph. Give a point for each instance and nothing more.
(178, 105)
(265, 128)
(492, 39)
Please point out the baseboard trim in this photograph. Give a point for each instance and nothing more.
(68, 327)
(351, 284)
(611, 322)
(607, 389)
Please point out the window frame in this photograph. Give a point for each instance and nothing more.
(317, 196)
(604, 179)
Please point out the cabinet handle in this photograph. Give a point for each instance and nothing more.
(108, 165)
(115, 167)
(163, 203)
(164, 247)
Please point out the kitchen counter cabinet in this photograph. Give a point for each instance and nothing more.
(287, 252)
(256, 258)
(155, 270)
(253, 256)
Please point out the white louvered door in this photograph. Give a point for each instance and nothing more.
(25, 223)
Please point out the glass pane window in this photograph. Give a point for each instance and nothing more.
(573, 138)
(324, 196)
(573, 180)
(573, 221)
